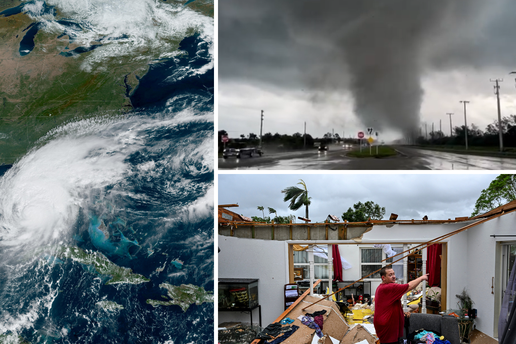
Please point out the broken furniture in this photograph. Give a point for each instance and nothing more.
(357, 289)
(465, 328)
(239, 294)
(290, 294)
(447, 326)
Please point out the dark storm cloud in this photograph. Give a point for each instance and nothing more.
(378, 50)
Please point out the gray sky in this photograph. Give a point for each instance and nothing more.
(347, 65)
(411, 196)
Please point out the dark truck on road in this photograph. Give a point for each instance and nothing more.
(241, 152)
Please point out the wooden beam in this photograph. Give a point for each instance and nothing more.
(444, 274)
(228, 205)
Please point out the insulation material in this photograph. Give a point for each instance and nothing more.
(334, 324)
(358, 334)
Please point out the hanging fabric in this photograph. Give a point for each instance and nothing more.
(337, 263)
(434, 265)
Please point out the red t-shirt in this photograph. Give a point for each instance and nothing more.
(388, 313)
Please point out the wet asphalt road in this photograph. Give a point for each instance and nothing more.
(335, 159)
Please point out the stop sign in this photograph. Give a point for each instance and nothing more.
(361, 135)
(225, 138)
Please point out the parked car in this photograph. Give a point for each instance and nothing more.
(228, 152)
(250, 152)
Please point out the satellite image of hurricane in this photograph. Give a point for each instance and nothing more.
(106, 171)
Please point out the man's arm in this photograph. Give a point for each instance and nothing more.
(414, 283)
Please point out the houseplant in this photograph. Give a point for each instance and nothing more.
(465, 303)
(433, 298)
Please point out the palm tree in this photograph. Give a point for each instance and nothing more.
(260, 207)
(297, 197)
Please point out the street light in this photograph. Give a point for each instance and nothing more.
(465, 122)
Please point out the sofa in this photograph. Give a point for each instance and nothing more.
(447, 325)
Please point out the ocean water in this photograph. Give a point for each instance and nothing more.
(136, 189)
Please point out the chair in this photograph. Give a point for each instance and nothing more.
(446, 325)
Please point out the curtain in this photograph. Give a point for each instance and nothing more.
(434, 265)
(507, 320)
(337, 263)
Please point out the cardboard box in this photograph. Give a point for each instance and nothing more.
(334, 324)
(357, 334)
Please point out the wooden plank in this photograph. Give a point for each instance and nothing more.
(444, 274)
(292, 306)
(291, 276)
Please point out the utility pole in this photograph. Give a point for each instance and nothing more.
(426, 132)
(465, 122)
(450, 114)
(261, 127)
(440, 127)
(497, 92)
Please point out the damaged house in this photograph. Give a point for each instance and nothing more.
(468, 255)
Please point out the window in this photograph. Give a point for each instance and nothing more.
(371, 260)
(320, 255)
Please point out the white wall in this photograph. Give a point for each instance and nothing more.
(352, 254)
(482, 263)
(406, 234)
(253, 258)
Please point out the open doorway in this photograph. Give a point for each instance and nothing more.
(507, 256)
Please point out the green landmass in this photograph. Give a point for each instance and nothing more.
(43, 90)
(383, 152)
(183, 296)
(102, 265)
(110, 306)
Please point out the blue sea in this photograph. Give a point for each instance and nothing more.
(137, 188)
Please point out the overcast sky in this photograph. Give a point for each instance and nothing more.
(346, 65)
(411, 196)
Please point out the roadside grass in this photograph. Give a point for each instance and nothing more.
(383, 152)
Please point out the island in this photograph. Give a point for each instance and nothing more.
(103, 266)
(183, 296)
(110, 306)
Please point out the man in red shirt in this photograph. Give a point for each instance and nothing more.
(388, 313)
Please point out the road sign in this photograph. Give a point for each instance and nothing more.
(370, 131)
(361, 134)
(225, 138)
(370, 140)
